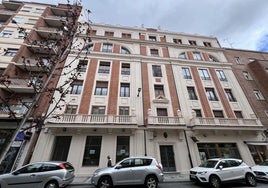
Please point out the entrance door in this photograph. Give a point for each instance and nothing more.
(167, 158)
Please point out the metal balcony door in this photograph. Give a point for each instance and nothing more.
(167, 158)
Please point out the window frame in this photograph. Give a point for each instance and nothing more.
(124, 89)
(157, 70)
(107, 47)
(211, 94)
(191, 93)
(104, 67)
(204, 74)
(101, 88)
(221, 76)
(186, 73)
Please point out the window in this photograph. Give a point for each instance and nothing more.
(182, 55)
(212, 58)
(104, 67)
(31, 21)
(93, 32)
(11, 52)
(218, 114)
(258, 95)
(154, 52)
(99, 110)
(159, 90)
(207, 44)
(211, 94)
(82, 66)
(238, 114)
(26, 9)
(71, 109)
(122, 147)
(198, 112)
(186, 73)
(89, 48)
(124, 111)
(125, 69)
(238, 60)
(124, 90)
(157, 71)
(106, 47)
(39, 10)
(6, 34)
(101, 88)
(221, 75)
(92, 151)
(204, 74)
(230, 95)
(152, 38)
(192, 42)
(17, 20)
(191, 93)
(21, 35)
(76, 88)
(197, 56)
(126, 35)
(177, 41)
(247, 75)
(109, 33)
(124, 50)
(162, 115)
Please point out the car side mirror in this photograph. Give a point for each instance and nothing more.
(118, 167)
(15, 173)
(220, 167)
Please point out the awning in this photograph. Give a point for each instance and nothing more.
(256, 143)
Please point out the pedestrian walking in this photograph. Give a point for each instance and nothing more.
(109, 163)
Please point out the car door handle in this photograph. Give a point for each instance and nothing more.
(32, 175)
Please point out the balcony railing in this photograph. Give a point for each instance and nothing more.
(55, 21)
(18, 109)
(34, 64)
(17, 85)
(49, 32)
(93, 119)
(227, 122)
(165, 120)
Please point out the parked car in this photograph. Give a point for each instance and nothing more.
(130, 171)
(39, 175)
(261, 171)
(221, 170)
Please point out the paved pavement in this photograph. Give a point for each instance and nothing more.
(168, 177)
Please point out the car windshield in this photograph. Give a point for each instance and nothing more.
(209, 164)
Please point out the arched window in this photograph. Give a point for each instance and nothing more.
(182, 55)
(89, 47)
(124, 50)
(212, 58)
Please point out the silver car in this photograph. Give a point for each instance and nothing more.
(130, 171)
(39, 175)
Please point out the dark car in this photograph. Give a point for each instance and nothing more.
(39, 175)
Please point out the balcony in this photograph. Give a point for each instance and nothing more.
(55, 21)
(63, 12)
(5, 15)
(11, 5)
(226, 123)
(74, 120)
(48, 48)
(166, 121)
(34, 64)
(17, 85)
(49, 32)
(18, 109)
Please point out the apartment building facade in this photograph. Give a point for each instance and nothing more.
(250, 69)
(144, 91)
(32, 42)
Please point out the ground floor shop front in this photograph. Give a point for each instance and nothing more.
(177, 149)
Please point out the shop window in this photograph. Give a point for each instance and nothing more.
(122, 147)
(258, 152)
(92, 151)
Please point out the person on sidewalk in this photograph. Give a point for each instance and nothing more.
(109, 163)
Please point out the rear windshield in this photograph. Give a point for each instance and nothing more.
(68, 166)
(209, 164)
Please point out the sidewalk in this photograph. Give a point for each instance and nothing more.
(168, 177)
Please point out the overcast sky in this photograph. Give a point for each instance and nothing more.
(241, 24)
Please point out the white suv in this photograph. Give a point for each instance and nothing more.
(220, 170)
(130, 171)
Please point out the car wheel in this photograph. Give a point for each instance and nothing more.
(214, 182)
(105, 182)
(151, 182)
(51, 184)
(251, 180)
